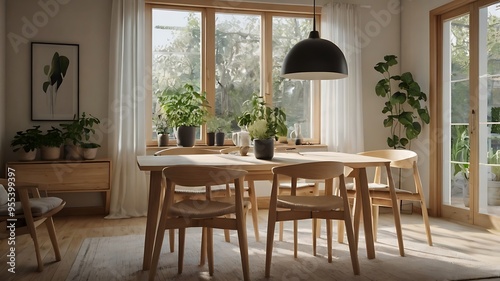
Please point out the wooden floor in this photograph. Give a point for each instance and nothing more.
(475, 241)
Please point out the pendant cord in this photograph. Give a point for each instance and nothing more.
(314, 15)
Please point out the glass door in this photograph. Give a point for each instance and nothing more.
(470, 114)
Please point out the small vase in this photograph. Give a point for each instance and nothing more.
(219, 139)
(89, 153)
(264, 149)
(162, 139)
(211, 139)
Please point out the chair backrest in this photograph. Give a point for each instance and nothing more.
(326, 170)
(185, 150)
(191, 175)
(400, 158)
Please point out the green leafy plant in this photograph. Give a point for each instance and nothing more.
(184, 107)
(263, 122)
(80, 130)
(161, 124)
(52, 138)
(460, 150)
(28, 140)
(405, 113)
(55, 73)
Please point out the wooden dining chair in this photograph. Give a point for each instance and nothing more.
(295, 207)
(209, 213)
(194, 192)
(379, 191)
(30, 211)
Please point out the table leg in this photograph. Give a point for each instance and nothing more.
(395, 209)
(367, 211)
(152, 217)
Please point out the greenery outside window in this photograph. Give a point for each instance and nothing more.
(230, 54)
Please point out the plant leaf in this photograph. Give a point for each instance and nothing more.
(381, 67)
(424, 115)
(406, 118)
(391, 60)
(382, 88)
(46, 86)
(398, 98)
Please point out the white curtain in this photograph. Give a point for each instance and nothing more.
(129, 191)
(341, 100)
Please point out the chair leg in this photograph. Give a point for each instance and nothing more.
(340, 232)
(329, 239)
(53, 237)
(182, 240)
(281, 230)
(375, 215)
(295, 239)
(353, 246)
(255, 209)
(160, 234)
(271, 224)
(34, 237)
(210, 250)
(203, 247)
(171, 236)
(314, 234)
(243, 242)
(425, 216)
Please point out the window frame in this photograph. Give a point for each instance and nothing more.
(208, 12)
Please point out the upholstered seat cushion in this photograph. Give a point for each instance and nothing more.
(3, 195)
(39, 206)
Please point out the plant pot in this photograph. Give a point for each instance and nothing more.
(186, 136)
(219, 139)
(264, 149)
(26, 156)
(72, 152)
(89, 153)
(211, 139)
(162, 139)
(50, 152)
(494, 193)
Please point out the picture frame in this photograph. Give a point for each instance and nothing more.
(54, 81)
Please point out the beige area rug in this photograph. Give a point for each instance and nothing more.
(120, 258)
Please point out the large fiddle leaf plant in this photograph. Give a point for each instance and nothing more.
(405, 109)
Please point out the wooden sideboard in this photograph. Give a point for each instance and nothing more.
(63, 176)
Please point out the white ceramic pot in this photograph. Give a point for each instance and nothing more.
(89, 153)
(50, 153)
(26, 156)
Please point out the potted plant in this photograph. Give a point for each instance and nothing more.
(211, 129)
(77, 135)
(185, 110)
(264, 124)
(161, 128)
(51, 143)
(217, 127)
(405, 114)
(26, 143)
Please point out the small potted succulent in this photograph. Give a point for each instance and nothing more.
(161, 128)
(26, 143)
(51, 143)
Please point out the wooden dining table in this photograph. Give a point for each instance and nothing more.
(261, 170)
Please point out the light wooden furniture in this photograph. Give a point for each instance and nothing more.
(207, 213)
(194, 192)
(262, 169)
(379, 192)
(28, 214)
(64, 176)
(295, 207)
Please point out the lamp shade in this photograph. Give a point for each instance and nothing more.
(314, 59)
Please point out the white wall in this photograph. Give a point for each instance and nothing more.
(83, 22)
(3, 138)
(415, 59)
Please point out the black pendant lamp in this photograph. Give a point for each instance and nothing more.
(314, 59)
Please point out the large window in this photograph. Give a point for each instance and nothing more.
(230, 54)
